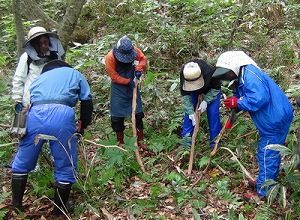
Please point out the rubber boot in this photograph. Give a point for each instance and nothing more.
(140, 139)
(61, 197)
(120, 138)
(18, 185)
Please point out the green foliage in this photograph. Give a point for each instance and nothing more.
(223, 192)
(170, 32)
(7, 33)
(203, 161)
(3, 211)
(41, 181)
(265, 213)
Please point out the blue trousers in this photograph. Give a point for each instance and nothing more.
(56, 120)
(213, 116)
(269, 160)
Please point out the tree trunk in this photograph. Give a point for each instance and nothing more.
(236, 23)
(32, 11)
(69, 21)
(19, 25)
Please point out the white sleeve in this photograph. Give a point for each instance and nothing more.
(19, 78)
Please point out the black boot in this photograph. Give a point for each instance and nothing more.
(18, 185)
(61, 197)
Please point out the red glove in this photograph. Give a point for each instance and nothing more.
(231, 102)
(228, 124)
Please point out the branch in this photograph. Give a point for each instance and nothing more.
(133, 122)
(101, 145)
(4, 126)
(32, 11)
(237, 22)
(69, 22)
(194, 136)
(241, 165)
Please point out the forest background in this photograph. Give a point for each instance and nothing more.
(111, 184)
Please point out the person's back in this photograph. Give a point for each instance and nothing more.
(63, 85)
(53, 95)
(270, 107)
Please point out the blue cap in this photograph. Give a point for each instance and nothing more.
(124, 50)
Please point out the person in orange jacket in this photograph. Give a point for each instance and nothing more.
(123, 64)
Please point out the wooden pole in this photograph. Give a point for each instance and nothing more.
(194, 136)
(231, 118)
(214, 151)
(133, 121)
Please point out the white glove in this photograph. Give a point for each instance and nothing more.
(193, 119)
(203, 106)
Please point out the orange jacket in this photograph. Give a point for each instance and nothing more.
(110, 66)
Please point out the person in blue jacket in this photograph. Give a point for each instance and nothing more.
(52, 96)
(196, 79)
(271, 111)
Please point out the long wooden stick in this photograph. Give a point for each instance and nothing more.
(232, 118)
(194, 136)
(133, 121)
(214, 151)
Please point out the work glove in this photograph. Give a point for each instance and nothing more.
(138, 74)
(228, 124)
(79, 128)
(86, 111)
(231, 102)
(132, 83)
(203, 106)
(193, 119)
(18, 107)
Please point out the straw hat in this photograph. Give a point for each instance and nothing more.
(193, 79)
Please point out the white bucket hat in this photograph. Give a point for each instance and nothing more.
(193, 79)
(38, 31)
(232, 60)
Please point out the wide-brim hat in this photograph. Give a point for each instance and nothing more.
(192, 77)
(38, 31)
(220, 71)
(232, 60)
(124, 50)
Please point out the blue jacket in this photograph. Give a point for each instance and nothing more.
(60, 84)
(267, 104)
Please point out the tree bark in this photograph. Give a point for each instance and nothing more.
(69, 21)
(19, 25)
(32, 11)
(236, 23)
